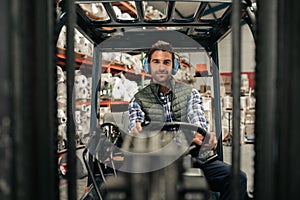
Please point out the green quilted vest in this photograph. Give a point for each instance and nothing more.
(152, 106)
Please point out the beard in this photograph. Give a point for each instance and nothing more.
(162, 78)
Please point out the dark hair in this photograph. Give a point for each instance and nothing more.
(163, 46)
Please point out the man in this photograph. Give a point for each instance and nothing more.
(177, 102)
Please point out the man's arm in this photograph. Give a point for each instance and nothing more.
(195, 115)
(195, 110)
(136, 117)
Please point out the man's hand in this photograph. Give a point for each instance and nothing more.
(212, 142)
(198, 139)
(138, 129)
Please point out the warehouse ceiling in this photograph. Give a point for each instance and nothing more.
(204, 21)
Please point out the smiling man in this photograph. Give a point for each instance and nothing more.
(166, 100)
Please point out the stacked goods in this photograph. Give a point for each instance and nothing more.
(81, 112)
(247, 117)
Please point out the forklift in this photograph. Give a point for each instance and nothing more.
(110, 43)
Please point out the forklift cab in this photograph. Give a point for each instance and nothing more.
(110, 44)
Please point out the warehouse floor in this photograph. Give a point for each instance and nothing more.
(247, 165)
(247, 161)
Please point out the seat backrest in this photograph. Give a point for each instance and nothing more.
(120, 119)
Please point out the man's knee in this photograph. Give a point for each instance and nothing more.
(243, 178)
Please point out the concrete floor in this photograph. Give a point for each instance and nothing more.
(247, 165)
(247, 161)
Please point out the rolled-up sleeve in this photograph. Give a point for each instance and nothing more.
(135, 114)
(195, 110)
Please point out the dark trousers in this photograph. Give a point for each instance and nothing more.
(218, 176)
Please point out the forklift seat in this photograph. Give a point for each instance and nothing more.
(119, 119)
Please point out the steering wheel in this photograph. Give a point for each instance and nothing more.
(156, 130)
(201, 156)
(187, 128)
(140, 147)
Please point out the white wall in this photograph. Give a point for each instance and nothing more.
(248, 52)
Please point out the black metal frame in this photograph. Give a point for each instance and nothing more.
(23, 24)
(192, 27)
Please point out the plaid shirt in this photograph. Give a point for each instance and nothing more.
(195, 111)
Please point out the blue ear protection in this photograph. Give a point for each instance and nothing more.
(147, 67)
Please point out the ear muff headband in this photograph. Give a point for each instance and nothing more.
(147, 67)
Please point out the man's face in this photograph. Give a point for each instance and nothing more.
(161, 65)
